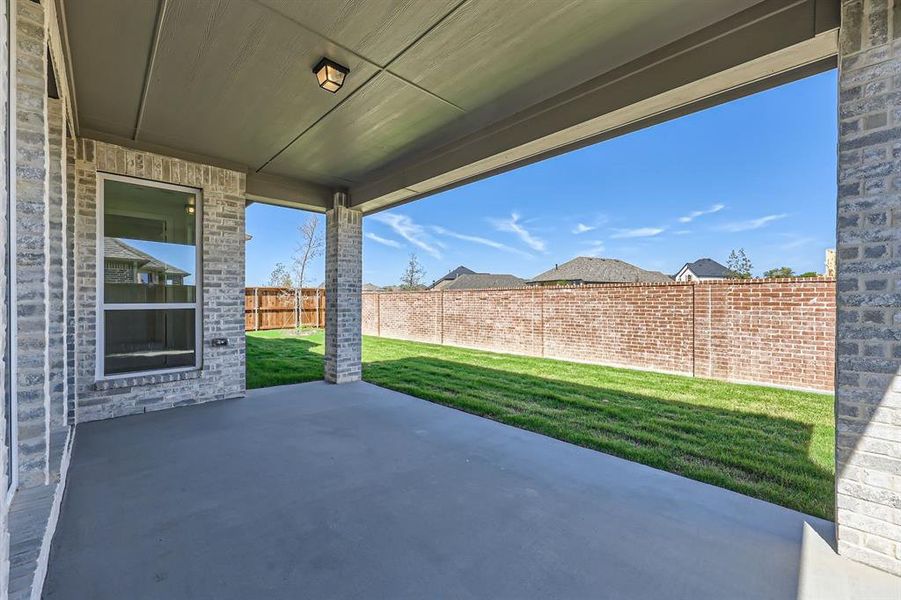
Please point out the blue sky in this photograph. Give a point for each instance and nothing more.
(757, 173)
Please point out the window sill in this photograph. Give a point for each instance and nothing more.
(137, 380)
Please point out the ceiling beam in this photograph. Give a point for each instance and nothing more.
(769, 44)
(293, 193)
(260, 187)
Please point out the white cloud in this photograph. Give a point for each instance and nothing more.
(752, 224)
(582, 228)
(700, 213)
(406, 228)
(513, 225)
(384, 241)
(638, 232)
(480, 240)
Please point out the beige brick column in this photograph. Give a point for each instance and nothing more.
(868, 393)
(343, 292)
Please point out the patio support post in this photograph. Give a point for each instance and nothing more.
(868, 361)
(343, 289)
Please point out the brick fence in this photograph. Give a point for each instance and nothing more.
(771, 331)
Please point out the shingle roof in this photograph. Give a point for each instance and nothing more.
(707, 267)
(484, 281)
(589, 269)
(461, 270)
(116, 249)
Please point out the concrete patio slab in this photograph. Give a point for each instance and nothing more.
(353, 491)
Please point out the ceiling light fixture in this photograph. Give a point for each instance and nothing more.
(330, 75)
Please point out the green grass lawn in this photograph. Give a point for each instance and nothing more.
(765, 442)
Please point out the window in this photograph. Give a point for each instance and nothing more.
(149, 280)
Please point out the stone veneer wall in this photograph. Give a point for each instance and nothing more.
(777, 332)
(4, 285)
(70, 276)
(222, 372)
(868, 395)
(32, 260)
(56, 291)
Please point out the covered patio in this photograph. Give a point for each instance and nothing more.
(157, 121)
(355, 491)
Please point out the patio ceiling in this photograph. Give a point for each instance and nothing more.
(439, 92)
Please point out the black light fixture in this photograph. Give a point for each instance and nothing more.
(330, 75)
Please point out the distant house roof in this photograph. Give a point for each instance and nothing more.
(116, 249)
(461, 270)
(589, 269)
(707, 267)
(484, 281)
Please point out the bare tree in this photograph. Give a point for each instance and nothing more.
(412, 277)
(309, 248)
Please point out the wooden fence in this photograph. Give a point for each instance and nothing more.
(280, 308)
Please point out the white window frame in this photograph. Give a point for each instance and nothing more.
(102, 307)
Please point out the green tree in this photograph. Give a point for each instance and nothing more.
(809, 274)
(280, 277)
(739, 264)
(413, 275)
(779, 272)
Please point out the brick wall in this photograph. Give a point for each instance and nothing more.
(32, 239)
(868, 398)
(222, 371)
(395, 311)
(767, 331)
(649, 327)
(4, 281)
(343, 282)
(779, 332)
(508, 319)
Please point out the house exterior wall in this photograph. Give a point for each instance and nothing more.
(222, 372)
(689, 275)
(119, 272)
(4, 281)
(868, 395)
(56, 289)
(777, 332)
(32, 239)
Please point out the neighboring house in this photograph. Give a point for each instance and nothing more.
(703, 269)
(830, 263)
(588, 269)
(484, 281)
(123, 263)
(444, 281)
